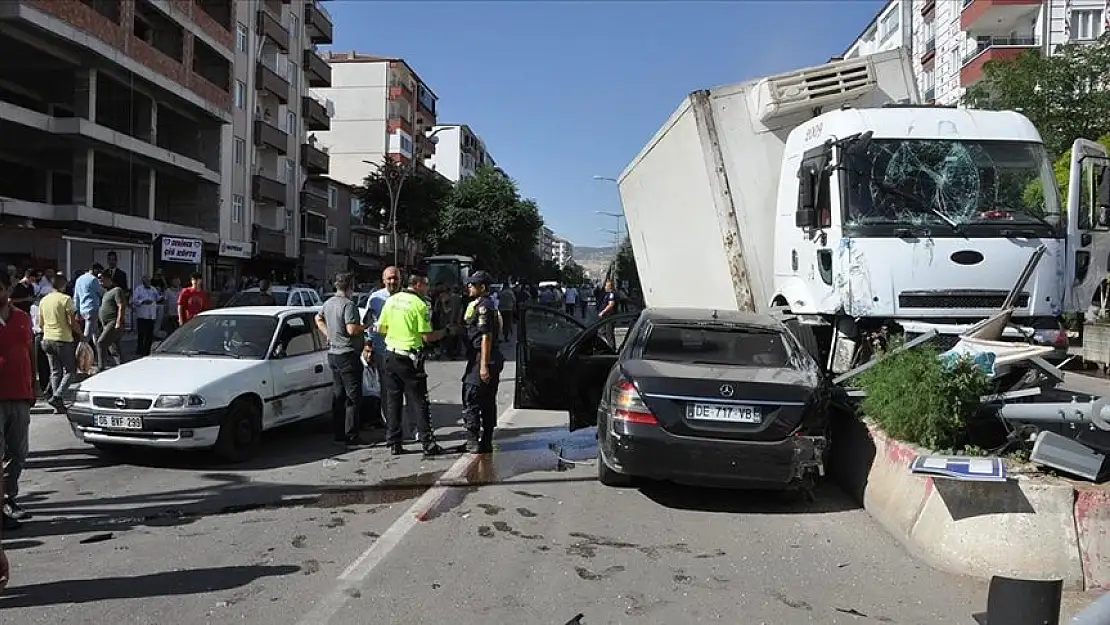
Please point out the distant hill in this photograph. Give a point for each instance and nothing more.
(594, 259)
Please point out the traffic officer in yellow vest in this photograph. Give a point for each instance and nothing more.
(483, 365)
(405, 324)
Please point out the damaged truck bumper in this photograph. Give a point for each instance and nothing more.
(652, 452)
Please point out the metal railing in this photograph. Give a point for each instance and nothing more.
(985, 43)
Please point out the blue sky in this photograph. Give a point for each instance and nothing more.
(564, 91)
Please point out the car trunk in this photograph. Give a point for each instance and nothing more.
(687, 400)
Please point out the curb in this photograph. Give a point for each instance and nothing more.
(1027, 527)
(452, 482)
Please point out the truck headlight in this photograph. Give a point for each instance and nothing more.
(179, 401)
(81, 397)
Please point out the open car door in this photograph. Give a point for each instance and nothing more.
(1088, 216)
(542, 335)
(586, 364)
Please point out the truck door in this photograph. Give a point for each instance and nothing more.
(1088, 215)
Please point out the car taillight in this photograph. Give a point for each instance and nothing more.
(629, 406)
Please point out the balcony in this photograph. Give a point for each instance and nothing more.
(315, 160)
(316, 69)
(264, 189)
(315, 114)
(929, 52)
(271, 28)
(993, 49)
(313, 201)
(267, 79)
(400, 92)
(996, 15)
(393, 124)
(928, 8)
(268, 240)
(314, 227)
(317, 23)
(269, 135)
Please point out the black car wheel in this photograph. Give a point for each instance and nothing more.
(609, 477)
(241, 432)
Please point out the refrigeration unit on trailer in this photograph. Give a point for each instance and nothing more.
(831, 192)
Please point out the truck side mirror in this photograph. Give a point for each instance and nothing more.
(1102, 195)
(806, 215)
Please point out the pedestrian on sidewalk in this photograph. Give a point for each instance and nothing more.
(61, 331)
(17, 395)
(144, 301)
(193, 299)
(391, 283)
(112, 307)
(173, 293)
(407, 328)
(339, 321)
(507, 306)
(570, 298)
(484, 362)
(87, 294)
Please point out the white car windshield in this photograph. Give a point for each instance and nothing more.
(254, 298)
(230, 336)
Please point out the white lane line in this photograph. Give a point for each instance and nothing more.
(329, 605)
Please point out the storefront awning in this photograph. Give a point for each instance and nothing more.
(368, 262)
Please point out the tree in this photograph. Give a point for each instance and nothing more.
(572, 273)
(423, 193)
(623, 267)
(1057, 93)
(486, 218)
(548, 271)
(1061, 170)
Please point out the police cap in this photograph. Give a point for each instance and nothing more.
(480, 277)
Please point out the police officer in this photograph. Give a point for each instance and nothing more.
(407, 328)
(484, 362)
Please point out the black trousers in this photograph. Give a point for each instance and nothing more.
(346, 373)
(145, 329)
(480, 406)
(405, 379)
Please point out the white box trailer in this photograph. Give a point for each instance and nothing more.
(832, 192)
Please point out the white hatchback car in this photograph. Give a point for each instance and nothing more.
(217, 382)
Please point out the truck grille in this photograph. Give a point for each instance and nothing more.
(122, 403)
(958, 299)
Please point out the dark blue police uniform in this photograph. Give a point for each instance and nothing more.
(479, 398)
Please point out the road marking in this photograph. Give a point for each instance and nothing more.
(364, 564)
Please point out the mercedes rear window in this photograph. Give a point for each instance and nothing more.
(732, 346)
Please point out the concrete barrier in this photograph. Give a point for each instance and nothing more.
(1029, 527)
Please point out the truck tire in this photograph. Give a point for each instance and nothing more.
(806, 337)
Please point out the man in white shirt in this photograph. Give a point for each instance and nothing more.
(144, 301)
(45, 284)
(570, 299)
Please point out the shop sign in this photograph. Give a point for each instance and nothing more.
(235, 249)
(182, 250)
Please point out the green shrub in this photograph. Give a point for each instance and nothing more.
(916, 398)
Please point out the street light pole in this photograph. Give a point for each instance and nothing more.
(393, 187)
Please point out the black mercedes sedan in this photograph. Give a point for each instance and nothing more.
(699, 397)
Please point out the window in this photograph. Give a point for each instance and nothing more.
(314, 227)
(291, 122)
(333, 237)
(333, 197)
(295, 338)
(221, 335)
(237, 209)
(293, 75)
(548, 329)
(289, 221)
(282, 173)
(290, 170)
(294, 26)
(1086, 25)
(356, 208)
(240, 94)
(889, 23)
(241, 37)
(735, 346)
(240, 151)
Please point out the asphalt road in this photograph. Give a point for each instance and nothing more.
(311, 534)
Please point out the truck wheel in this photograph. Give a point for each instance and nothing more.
(806, 337)
(240, 433)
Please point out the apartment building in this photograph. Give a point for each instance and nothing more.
(274, 201)
(111, 122)
(562, 252)
(382, 107)
(951, 40)
(544, 243)
(459, 152)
